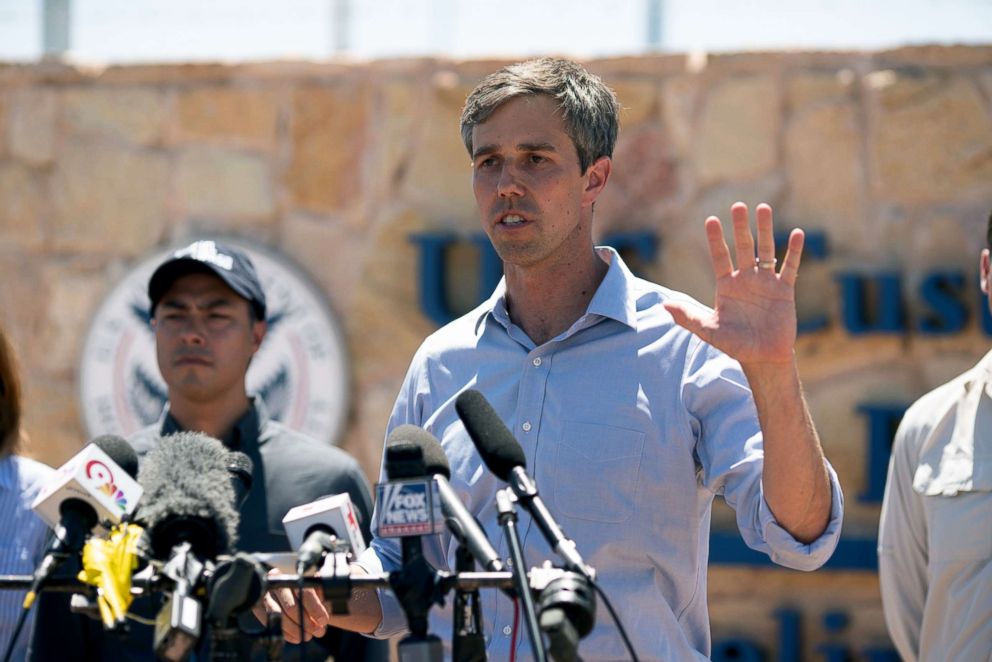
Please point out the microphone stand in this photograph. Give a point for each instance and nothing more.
(508, 520)
(467, 642)
(414, 586)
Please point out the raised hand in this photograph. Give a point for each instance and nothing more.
(754, 312)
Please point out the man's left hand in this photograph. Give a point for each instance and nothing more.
(754, 313)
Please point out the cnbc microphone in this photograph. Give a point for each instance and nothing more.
(405, 509)
(189, 517)
(505, 459)
(96, 487)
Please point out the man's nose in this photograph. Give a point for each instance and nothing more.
(193, 332)
(509, 182)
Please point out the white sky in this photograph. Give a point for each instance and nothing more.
(190, 30)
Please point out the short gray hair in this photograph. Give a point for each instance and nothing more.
(589, 108)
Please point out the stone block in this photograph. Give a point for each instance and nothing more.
(811, 87)
(310, 240)
(242, 116)
(31, 128)
(52, 419)
(328, 128)
(130, 114)
(109, 199)
(824, 170)
(396, 135)
(638, 102)
(23, 206)
(73, 295)
(738, 131)
(930, 139)
(214, 182)
(438, 172)
(679, 104)
(645, 175)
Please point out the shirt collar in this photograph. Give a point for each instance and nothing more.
(244, 432)
(614, 298)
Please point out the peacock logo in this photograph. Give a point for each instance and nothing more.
(101, 473)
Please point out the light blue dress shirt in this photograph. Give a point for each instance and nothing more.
(22, 541)
(631, 426)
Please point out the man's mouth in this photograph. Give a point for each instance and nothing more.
(192, 360)
(512, 220)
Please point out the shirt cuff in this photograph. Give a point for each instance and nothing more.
(785, 550)
(393, 619)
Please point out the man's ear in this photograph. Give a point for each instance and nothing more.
(596, 177)
(258, 331)
(984, 268)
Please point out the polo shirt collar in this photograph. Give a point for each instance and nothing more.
(244, 432)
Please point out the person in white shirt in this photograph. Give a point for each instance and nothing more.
(935, 534)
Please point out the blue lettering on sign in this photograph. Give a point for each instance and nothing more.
(943, 292)
(883, 419)
(872, 304)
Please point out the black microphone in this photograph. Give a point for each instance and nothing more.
(190, 518)
(460, 521)
(405, 509)
(240, 467)
(505, 458)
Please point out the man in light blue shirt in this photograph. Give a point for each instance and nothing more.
(635, 405)
(24, 533)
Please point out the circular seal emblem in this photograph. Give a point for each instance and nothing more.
(300, 370)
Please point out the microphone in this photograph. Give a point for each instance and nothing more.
(460, 521)
(316, 528)
(189, 519)
(95, 487)
(406, 506)
(189, 496)
(505, 458)
(240, 467)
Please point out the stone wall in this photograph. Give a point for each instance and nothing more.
(887, 154)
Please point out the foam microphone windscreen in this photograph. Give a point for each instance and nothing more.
(435, 461)
(121, 452)
(496, 445)
(188, 495)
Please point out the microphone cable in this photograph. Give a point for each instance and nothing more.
(21, 620)
(616, 619)
(516, 625)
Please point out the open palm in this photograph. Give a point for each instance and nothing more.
(754, 312)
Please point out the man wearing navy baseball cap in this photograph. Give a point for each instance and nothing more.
(208, 312)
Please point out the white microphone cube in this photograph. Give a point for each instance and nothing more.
(91, 476)
(335, 512)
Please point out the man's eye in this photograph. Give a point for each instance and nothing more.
(537, 158)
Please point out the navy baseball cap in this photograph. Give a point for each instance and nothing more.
(231, 265)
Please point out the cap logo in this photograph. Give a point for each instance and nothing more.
(206, 251)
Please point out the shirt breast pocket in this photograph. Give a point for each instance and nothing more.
(597, 471)
(959, 526)
(959, 523)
